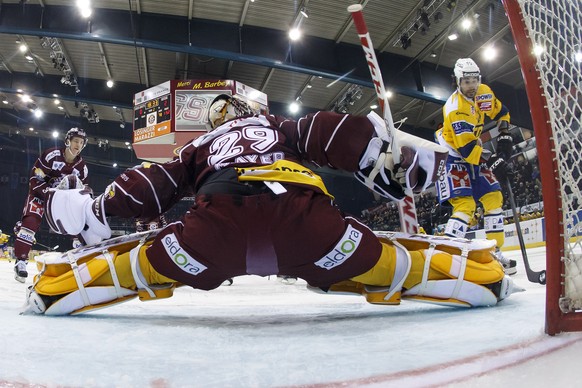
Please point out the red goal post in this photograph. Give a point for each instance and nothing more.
(548, 41)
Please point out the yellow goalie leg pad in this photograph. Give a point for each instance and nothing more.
(382, 284)
(453, 280)
(102, 280)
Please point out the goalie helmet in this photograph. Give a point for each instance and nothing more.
(75, 132)
(225, 107)
(466, 67)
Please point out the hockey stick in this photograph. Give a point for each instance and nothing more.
(532, 276)
(406, 207)
(47, 247)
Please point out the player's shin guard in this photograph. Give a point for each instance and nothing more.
(80, 281)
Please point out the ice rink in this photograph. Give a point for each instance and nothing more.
(262, 333)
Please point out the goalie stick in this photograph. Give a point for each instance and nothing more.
(532, 276)
(406, 207)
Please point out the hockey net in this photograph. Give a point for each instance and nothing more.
(549, 44)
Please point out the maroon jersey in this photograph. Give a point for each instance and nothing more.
(51, 167)
(323, 138)
(296, 233)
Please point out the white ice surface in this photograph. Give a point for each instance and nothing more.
(261, 333)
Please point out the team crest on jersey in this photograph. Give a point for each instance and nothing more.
(35, 207)
(58, 165)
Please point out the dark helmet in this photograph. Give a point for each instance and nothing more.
(75, 132)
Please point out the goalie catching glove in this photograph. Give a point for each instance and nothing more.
(75, 212)
(408, 162)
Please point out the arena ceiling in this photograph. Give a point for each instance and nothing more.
(142, 43)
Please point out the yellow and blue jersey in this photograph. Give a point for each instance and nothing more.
(463, 122)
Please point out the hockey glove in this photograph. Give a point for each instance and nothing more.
(376, 172)
(504, 142)
(500, 168)
(75, 212)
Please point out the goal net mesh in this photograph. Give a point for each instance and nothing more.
(556, 37)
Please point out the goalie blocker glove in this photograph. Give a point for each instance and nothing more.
(409, 162)
(75, 212)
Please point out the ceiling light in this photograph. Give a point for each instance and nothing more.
(490, 53)
(126, 143)
(110, 83)
(294, 107)
(453, 36)
(86, 12)
(28, 57)
(25, 98)
(57, 101)
(433, 54)
(389, 94)
(114, 164)
(294, 34)
(55, 134)
(5, 101)
(31, 129)
(304, 12)
(60, 107)
(578, 56)
(37, 113)
(23, 48)
(466, 23)
(373, 106)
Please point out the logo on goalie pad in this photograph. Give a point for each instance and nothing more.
(343, 250)
(182, 259)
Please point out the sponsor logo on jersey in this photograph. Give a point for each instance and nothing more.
(52, 154)
(25, 234)
(485, 106)
(343, 250)
(482, 97)
(36, 206)
(180, 257)
(462, 127)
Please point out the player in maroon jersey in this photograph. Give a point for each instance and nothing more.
(48, 172)
(259, 210)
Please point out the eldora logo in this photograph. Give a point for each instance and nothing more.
(182, 259)
(343, 250)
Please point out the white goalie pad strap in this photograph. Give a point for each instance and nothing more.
(403, 265)
(94, 296)
(109, 258)
(459, 271)
(471, 293)
(425, 272)
(80, 272)
(140, 281)
(427, 240)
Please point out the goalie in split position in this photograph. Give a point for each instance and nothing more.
(259, 211)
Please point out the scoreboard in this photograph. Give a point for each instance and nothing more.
(168, 115)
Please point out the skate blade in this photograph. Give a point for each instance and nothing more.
(19, 278)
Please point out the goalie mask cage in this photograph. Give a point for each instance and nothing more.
(547, 35)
